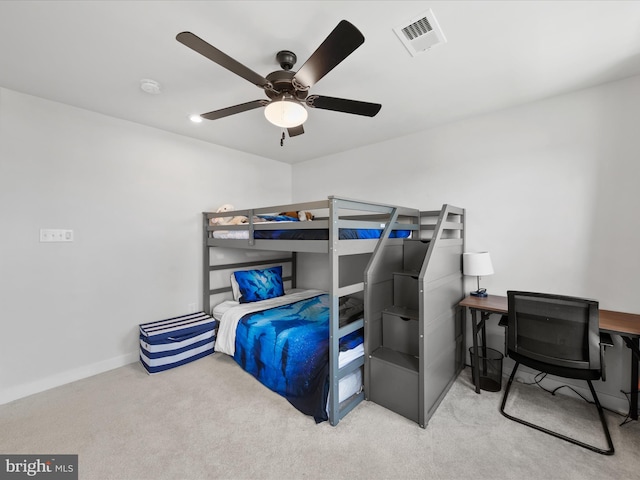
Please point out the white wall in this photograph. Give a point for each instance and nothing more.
(133, 197)
(550, 190)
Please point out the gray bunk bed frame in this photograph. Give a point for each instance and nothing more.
(335, 213)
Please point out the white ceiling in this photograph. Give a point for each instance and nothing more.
(93, 54)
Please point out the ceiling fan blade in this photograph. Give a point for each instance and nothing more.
(295, 131)
(212, 53)
(343, 105)
(340, 43)
(225, 112)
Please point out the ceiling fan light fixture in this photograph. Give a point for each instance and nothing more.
(286, 113)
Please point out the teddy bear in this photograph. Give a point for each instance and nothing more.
(302, 216)
(236, 220)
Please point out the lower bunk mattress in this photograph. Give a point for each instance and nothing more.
(284, 343)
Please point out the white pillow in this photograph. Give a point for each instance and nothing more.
(235, 288)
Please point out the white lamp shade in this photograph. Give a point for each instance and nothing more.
(477, 264)
(285, 113)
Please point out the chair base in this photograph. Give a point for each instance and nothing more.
(603, 420)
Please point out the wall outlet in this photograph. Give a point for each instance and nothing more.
(55, 235)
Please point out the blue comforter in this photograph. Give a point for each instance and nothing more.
(323, 234)
(319, 233)
(287, 349)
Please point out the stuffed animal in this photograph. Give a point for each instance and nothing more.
(302, 216)
(227, 220)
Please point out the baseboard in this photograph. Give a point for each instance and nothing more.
(24, 390)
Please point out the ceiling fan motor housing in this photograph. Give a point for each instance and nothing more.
(287, 59)
(282, 82)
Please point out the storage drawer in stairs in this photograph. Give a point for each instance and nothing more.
(394, 382)
(405, 290)
(400, 330)
(414, 253)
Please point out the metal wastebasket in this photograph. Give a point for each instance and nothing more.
(490, 365)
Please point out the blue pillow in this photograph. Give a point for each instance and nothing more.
(258, 285)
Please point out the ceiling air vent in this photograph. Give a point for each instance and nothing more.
(420, 33)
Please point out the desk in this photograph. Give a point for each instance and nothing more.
(484, 307)
(626, 325)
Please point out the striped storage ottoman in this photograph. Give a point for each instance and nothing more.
(169, 343)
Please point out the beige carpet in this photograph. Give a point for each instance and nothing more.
(210, 420)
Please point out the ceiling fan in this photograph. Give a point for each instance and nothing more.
(288, 91)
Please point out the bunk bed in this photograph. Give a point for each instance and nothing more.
(360, 244)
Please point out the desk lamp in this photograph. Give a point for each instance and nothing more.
(479, 265)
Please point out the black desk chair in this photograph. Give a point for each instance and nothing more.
(558, 335)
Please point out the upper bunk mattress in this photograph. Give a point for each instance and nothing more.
(308, 234)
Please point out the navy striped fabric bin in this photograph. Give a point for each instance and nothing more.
(169, 343)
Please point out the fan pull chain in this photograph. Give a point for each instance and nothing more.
(282, 139)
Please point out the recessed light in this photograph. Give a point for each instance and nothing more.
(150, 86)
(195, 118)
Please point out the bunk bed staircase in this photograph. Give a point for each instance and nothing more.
(414, 332)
